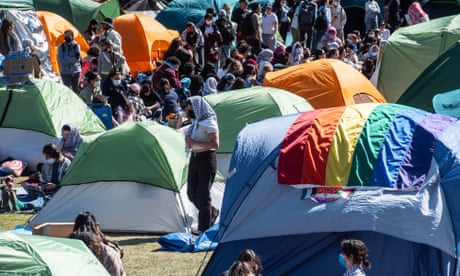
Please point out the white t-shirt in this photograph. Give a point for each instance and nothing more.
(202, 130)
(269, 22)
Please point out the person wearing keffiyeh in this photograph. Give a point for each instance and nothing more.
(202, 139)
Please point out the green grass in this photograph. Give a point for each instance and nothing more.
(142, 252)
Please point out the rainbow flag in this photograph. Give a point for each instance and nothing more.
(385, 145)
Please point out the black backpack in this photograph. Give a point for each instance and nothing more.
(321, 21)
(307, 13)
(247, 28)
(226, 30)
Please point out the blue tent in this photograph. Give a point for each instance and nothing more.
(383, 173)
(178, 12)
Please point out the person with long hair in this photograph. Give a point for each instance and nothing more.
(10, 37)
(86, 229)
(55, 165)
(354, 258)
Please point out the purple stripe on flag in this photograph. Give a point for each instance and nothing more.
(418, 157)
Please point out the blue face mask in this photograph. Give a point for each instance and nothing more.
(342, 261)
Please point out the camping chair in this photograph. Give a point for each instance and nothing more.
(104, 112)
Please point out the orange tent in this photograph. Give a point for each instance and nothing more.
(143, 40)
(325, 83)
(54, 27)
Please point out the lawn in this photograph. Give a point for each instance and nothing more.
(142, 253)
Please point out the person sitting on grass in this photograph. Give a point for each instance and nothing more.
(86, 229)
(54, 167)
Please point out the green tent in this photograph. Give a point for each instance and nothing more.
(79, 12)
(45, 106)
(110, 8)
(132, 179)
(236, 108)
(438, 77)
(147, 153)
(22, 254)
(410, 50)
(17, 4)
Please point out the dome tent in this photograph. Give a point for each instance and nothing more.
(325, 83)
(410, 50)
(394, 170)
(144, 40)
(234, 109)
(133, 181)
(436, 78)
(33, 115)
(22, 254)
(54, 27)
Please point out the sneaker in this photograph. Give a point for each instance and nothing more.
(214, 216)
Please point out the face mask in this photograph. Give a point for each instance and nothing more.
(97, 84)
(116, 82)
(50, 161)
(191, 114)
(349, 41)
(208, 22)
(342, 261)
(68, 39)
(336, 4)
(371, 35)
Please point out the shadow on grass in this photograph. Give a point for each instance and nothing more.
(137, 241)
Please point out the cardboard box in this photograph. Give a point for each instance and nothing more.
(18, 66)
(18, 69)
(53, 229)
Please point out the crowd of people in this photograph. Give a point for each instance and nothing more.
(226, 50)
(229, 49)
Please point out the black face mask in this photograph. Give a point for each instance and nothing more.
(68, 39)
(191, 114)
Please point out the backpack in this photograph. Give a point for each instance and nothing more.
(321, 21)
(307, 13)
(227, 31)
(247, 28)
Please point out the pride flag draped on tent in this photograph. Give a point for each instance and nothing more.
(395, 187)
(384, 145)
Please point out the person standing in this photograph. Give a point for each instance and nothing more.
(69, 59)
(90, 33)
(269, 27)
(228, 36)
(391, 14)
(354, 258)
(202, 139)
(110, 34)
(372, 11)
(338, 18)
(109, 60)
(13, 43)
(307, 17)
(238, 15)
(252, 28)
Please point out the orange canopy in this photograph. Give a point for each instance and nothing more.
(54, 27)
(325, 83)
(143, 40)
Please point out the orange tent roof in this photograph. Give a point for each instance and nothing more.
(54, 27)
(325, 83)
(143, 39)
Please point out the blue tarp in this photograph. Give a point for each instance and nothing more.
(186, 242)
